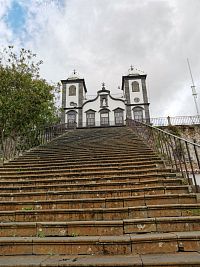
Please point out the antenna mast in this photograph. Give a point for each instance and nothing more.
(193, 87)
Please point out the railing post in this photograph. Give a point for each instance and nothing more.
(191, 165)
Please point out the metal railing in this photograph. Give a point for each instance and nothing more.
(179, 120)
(11, 148)
(178, 153)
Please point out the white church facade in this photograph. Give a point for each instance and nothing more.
(104, 109)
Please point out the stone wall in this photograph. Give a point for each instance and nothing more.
(189, 132)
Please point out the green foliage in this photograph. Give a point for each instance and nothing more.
(174, 130)
(26, 100)
(40, 233)
(27, 208)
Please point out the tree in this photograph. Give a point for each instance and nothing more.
(26, 100)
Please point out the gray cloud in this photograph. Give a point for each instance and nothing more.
(101, 38)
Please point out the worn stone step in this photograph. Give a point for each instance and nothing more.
(102, 228)
(64, 164)
(101, 158)
(87, 186)
(47, 195)
(99, 202)
(137, 181)
(46, 162)
(106, 173)
(21, 171)
(66, 170)
(102, 245)
(173, 210)
(185, 259)
(114, 148)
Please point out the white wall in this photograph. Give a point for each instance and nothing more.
(96, 106)
(71, 98)
(136, 94)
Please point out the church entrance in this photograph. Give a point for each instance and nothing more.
(119, 116)
(71, 119)
(104, 117)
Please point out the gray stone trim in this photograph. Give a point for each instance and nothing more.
(80, 118)
(146, 107)
(138, 104)
(128, 99)
(80, 103)
(63, 103)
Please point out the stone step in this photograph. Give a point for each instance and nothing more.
(77, 169)
(64, 164)
(101, 228)
(102, 245)
(105, 214)
(120, 192)
(184, 259)
(41, 162)
(56, 186)
(100, 158)
(118, 202)
(92, 173)
(114, 148)
(138, 181)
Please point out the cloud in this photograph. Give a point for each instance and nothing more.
(102, 38)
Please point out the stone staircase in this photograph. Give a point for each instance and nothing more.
(96, 197)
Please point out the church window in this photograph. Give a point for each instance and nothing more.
(72, 90)
(135, 87)
(104, 116)
(90, 118)
(119, 116)
(138, 114)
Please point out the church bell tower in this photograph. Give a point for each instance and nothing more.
(73, 95)
(135, 93)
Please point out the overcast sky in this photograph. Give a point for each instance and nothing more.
(102, 38)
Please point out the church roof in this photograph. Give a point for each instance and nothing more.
(134, 72)
(74, 76)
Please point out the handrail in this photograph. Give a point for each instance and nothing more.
(180, 154)
(177, 120)
(14, 147)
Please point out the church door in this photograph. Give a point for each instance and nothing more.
(104, 118)
(71, 119)
(119, 117)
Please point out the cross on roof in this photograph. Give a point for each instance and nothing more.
(74, 71)
(103, 86)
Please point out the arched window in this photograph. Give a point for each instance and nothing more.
(135, 87)
(72, 90)
(119, 116)
(138, 114)
(90, 117)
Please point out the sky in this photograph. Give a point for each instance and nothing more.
(101, 39)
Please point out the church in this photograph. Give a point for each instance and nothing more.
(105, 109)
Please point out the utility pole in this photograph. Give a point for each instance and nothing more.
(193, 87)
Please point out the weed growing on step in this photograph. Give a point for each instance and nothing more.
(74, 234)
(185, 181)
(194, 212)
(27, 208)
(40, 233)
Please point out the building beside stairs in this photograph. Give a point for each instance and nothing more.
(105, 109)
